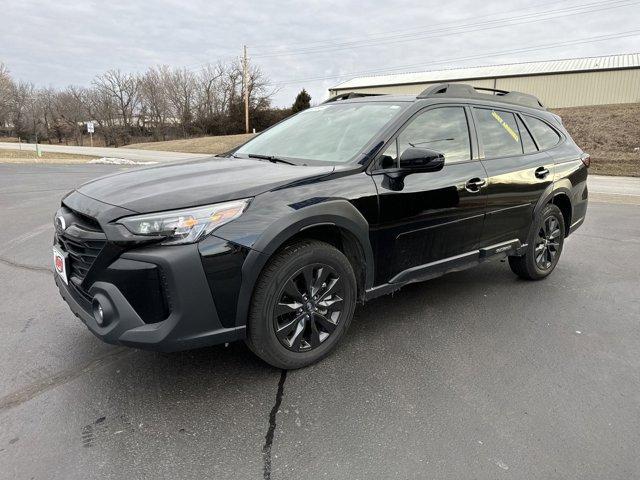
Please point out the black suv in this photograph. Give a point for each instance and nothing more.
(276, 241)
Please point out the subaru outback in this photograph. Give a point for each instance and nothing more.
(276, 241)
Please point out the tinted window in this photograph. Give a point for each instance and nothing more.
(443, 129)
(498, 133)
(528, 145)
(545, 136)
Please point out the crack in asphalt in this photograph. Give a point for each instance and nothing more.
(37, 388)
(268, 438)
(24, 266)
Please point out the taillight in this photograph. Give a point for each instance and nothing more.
(586, 159)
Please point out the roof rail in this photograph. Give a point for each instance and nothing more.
(463, 90)
(348, 95)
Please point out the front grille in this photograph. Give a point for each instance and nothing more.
(83, 239)
(91, 260)
(82, 254)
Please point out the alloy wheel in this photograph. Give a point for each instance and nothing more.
(547, 243)
(309, 307)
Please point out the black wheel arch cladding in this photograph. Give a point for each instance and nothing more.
(334, 213)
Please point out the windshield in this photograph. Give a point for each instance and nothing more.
(327, 133)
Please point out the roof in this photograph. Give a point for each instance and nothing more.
(610, 62)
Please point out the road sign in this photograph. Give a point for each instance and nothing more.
(90, 127)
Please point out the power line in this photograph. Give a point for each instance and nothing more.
(600, 38)
(420, 28)
(479, 26)
(388, 35)
(474, 27)
(436, 32)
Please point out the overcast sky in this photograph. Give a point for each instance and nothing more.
(56, 43)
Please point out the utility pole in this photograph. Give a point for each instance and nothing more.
(245, 76)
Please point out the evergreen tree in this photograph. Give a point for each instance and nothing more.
(303, 101)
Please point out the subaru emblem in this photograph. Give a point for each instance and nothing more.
(60, 223)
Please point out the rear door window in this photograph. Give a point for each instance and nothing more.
(546, 137)
(498, 132)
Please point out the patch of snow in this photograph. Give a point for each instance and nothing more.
(119, 161)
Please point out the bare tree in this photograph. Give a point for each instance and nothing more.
(154, 101)
(209, 101)
(46, 98)
(21, 108)
(181, 93)
(124, 89)
(164, 102)
(103, 109)
(259, 98)
(6, 92)
(72, 112)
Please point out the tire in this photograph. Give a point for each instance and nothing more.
(541, 256)
(306, 293)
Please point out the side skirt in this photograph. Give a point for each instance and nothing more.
(438, 268)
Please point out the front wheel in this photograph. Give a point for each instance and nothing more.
(545, 243)
(302, 305)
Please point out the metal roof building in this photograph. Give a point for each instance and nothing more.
(558, 83)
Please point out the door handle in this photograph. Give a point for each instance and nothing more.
(474, 185)
(541, 172)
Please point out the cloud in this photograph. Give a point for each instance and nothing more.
(69, 42)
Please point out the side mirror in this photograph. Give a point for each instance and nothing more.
(417, 159)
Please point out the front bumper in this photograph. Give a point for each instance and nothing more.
(192, 322)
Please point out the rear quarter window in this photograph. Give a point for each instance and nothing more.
(545, 136)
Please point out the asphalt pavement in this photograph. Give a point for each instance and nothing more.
(475, 375)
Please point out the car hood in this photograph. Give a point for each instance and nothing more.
(196, 182)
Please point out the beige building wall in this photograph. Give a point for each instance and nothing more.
(555, 91)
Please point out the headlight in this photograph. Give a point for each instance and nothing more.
(185, 226)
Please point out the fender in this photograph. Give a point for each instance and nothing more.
(339, 213)
(551, 191)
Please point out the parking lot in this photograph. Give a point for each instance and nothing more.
(473, 375)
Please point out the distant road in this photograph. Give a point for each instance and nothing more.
(614, 185)
(614, 189)
(126, 153)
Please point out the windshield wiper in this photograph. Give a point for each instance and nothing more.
(271, 158)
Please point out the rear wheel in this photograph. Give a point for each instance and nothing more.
(302, 305)
(545, 243)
